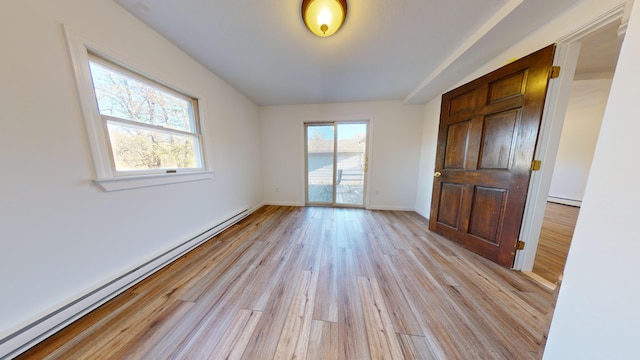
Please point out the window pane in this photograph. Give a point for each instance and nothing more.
(352, 140)
(140, 149)
(125, 97)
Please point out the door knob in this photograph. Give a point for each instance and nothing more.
(437, 174)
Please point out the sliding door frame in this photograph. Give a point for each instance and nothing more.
(335, 124)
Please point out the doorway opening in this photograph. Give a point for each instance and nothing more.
(336, 163)
(596, 64)
(555, 238)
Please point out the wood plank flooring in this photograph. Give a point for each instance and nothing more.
(318, 283)
(346, 194)
(555, 239)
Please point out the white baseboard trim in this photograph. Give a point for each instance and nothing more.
(540, 280)
(391, 208)
(559, 200)
(278, 203)
(424, 215)
(375, 207)
(253, 209)
(47, 324)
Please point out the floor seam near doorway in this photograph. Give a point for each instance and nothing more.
(540, 280)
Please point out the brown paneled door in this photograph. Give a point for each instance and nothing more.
(486, 141)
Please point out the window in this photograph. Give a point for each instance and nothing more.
(141, 131)
(150, 127)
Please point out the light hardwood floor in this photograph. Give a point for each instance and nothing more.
(555, 239)
(318, 283)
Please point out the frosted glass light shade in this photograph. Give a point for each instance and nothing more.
(324, 17)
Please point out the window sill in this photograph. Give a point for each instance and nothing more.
(133, 182)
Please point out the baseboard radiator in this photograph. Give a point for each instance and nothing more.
(564, 201)
(28, 336)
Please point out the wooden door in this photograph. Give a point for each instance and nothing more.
(486, 141)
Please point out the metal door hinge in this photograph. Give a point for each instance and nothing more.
(519, 245)
(536, 165)
(555, 72)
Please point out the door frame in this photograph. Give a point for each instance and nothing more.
(567, 53)
(367, 170)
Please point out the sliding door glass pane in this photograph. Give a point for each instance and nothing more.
(320, 143)
(351, 160)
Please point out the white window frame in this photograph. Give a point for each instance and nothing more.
(80, 51)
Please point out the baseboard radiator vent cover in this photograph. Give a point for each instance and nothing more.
(28, 336)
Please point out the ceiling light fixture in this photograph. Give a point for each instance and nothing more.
(324, 17)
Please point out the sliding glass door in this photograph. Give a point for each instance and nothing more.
(336, 161)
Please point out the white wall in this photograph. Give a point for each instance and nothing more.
(597, 314)
(395, 136)
(579, 136)
(61, 236)
(428, 156)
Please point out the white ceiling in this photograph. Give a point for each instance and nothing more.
(408, 50)
(599, 53)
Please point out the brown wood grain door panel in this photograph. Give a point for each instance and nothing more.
(486, 141)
